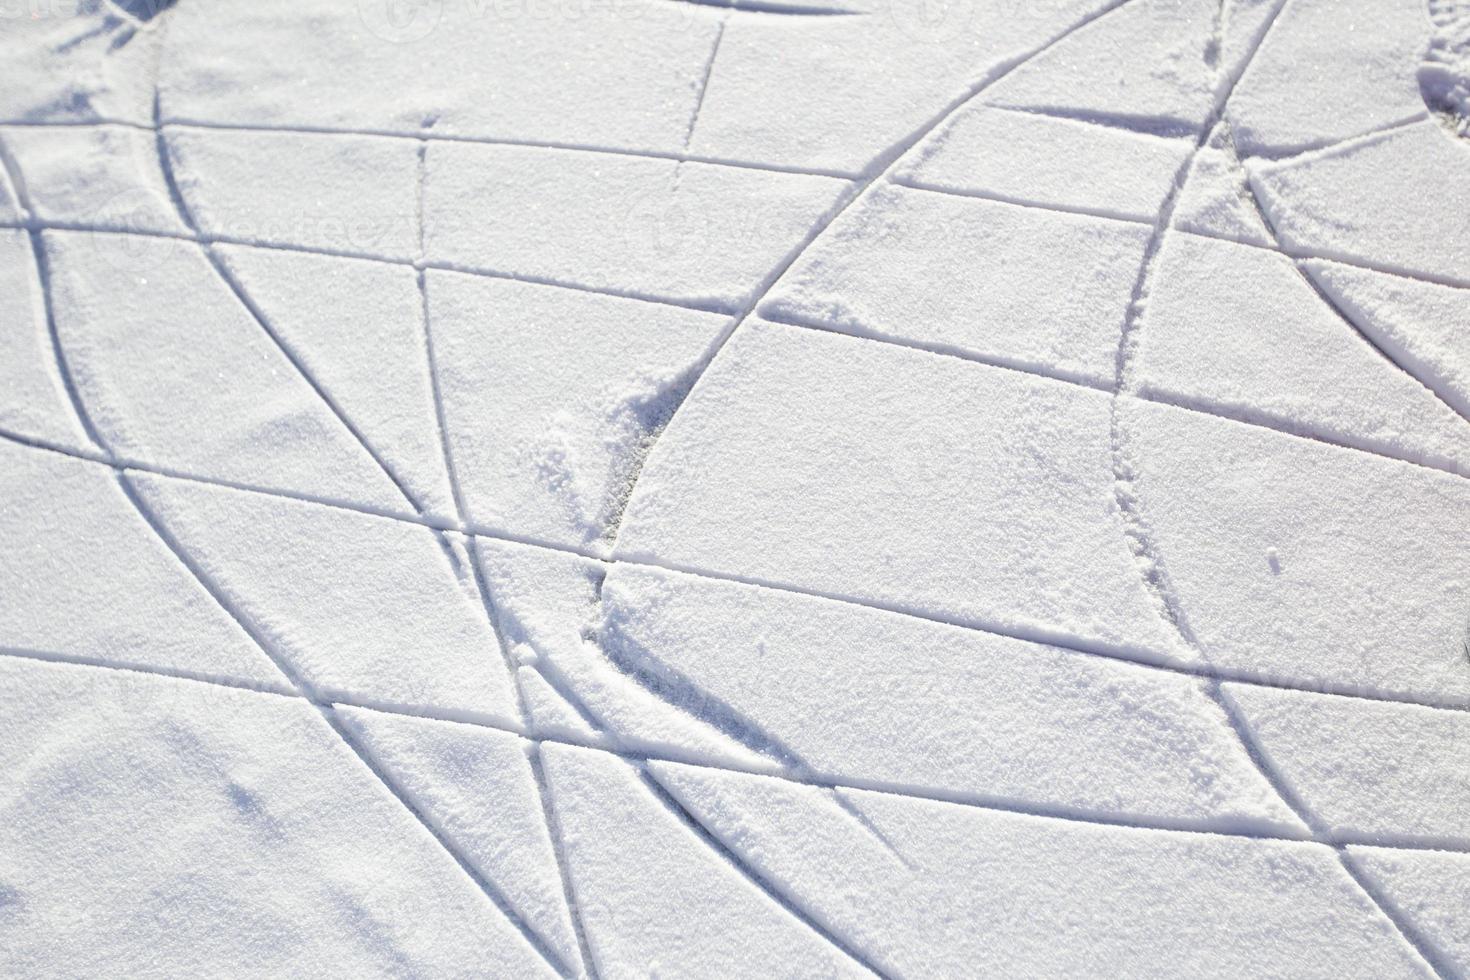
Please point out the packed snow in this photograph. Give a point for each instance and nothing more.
(735, 488)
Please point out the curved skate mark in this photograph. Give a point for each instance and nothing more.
(647, 418)
(237, 289)
(1411, 934)
(878, 171)
(641, 757)
(15, 179)
(1416, 939)
(499, 899)
(839, 784)
(1140, 535)
(1404, 362)
(297, 682)
(771, 889)
(638, 757)
(636, 662)
(186, 215)
(482, 589)
(1080, 646)
(1137, 532)
(673, 687)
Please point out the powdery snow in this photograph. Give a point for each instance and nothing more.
(694, 233)
(1333, 202)
(993, 296)
(743, 484)
(1241, 331)
(1413, 321)
(95, 176)
(33, 399)
(115, 591)
(1331, 70)
(1305, 562)
(793, 488)
(1033, 158)
(354, 194)
(847, 693)
(451, 772)
(1431, 889)
(184, 827)
(1214, 199)
(933, 888)
(551, 622)
(566, 390)
(1369, 770)
(405, 628)
(685, 904)
(127, 313)
(356, 327)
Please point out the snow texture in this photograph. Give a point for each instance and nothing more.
(735, 488)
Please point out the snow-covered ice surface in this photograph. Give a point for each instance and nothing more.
(722, 488)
